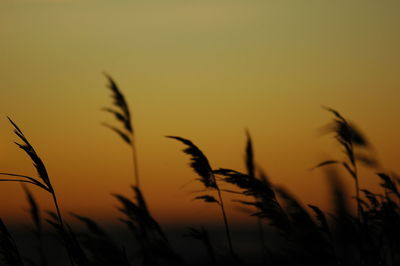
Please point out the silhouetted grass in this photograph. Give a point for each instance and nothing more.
(349, 138)
(42, 181)
(123, 115)
(306, 234)
(201, 166)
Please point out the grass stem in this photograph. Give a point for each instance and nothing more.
(228, 234)
(135, 163)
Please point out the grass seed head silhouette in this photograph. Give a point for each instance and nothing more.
(199, 163)
(123, 115)
(339, 238)
(43, 181)
(349, 138)
(201, 166)
(266, 202)
(250, 166)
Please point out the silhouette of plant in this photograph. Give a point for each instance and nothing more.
(123, 115)
(201, 166)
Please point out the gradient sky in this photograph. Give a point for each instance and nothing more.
(203, 70)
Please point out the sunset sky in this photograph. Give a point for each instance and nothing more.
(203, 70)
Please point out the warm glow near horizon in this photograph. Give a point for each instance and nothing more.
(197, 69)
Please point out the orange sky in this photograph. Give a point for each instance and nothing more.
(197, 69)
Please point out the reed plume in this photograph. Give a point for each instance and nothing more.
(123, 115)
(349, 137)
(266, 202)
(42, 180)
(200, 164)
